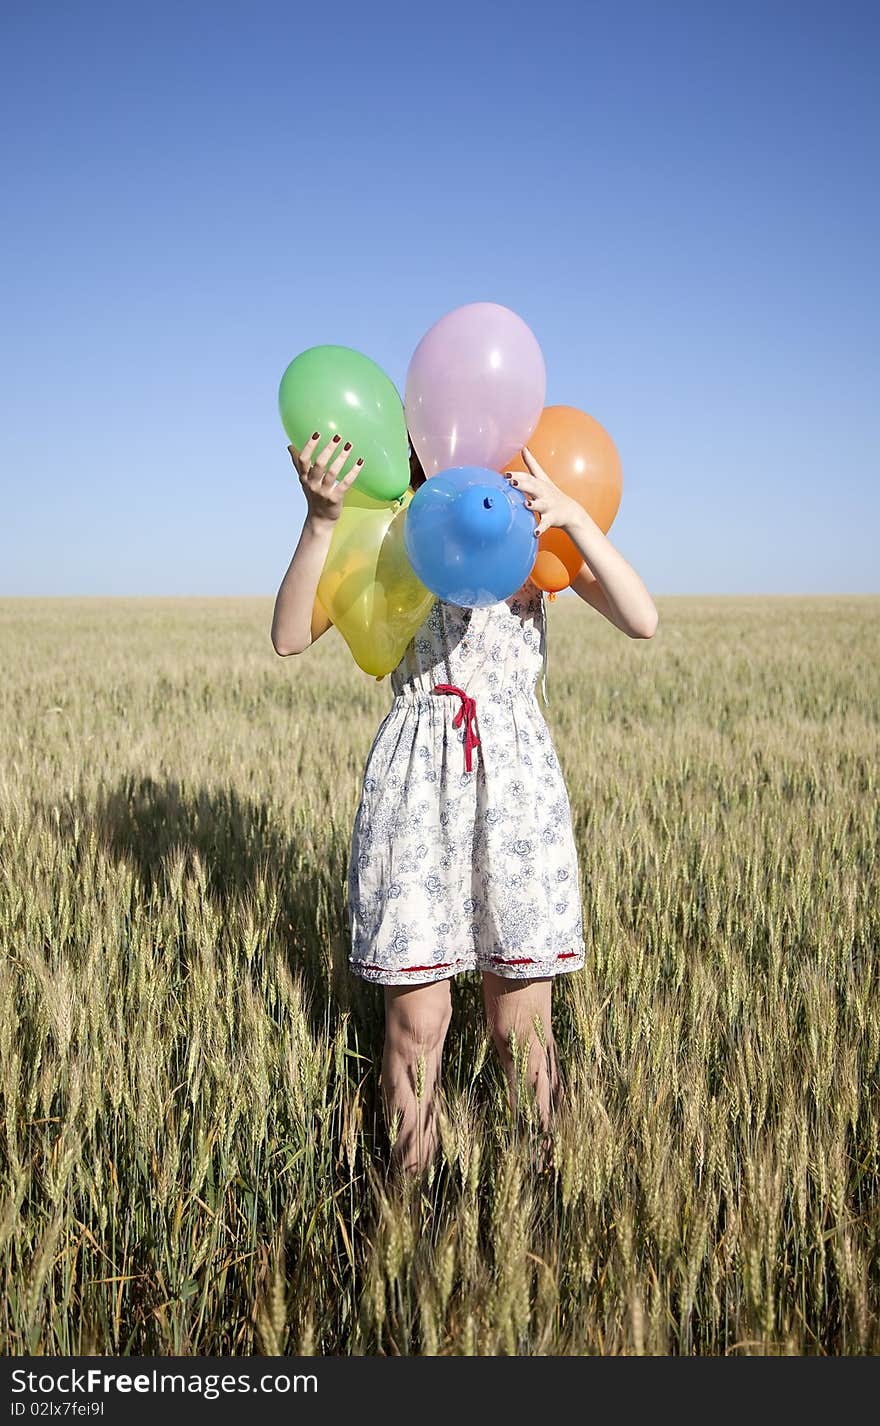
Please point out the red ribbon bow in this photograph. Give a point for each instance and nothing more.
(467, 712)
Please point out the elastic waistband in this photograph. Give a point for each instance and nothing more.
(468, 707)
(479, 695)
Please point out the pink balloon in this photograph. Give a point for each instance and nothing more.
(475, 389)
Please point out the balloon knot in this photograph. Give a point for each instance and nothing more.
(552, 595)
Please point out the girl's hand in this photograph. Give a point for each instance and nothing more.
(552, 506)
(323, 491)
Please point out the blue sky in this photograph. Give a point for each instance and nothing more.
(681, 200)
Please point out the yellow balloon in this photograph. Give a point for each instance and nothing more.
(368, 586)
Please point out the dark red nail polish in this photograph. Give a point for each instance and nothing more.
(359, 462)
(316, 435)
(347, 446)
(336, 438)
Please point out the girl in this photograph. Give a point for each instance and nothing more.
(463, 854)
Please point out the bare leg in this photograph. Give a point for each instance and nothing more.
(522, 1008)
(416, 1020)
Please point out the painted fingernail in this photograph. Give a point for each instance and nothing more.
(316, 435)
(359, 462)
(347, 446)
(336, 438)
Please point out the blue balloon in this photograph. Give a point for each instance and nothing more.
(470, 536)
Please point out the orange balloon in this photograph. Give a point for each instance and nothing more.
(580, 457)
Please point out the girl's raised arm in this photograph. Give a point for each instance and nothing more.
(296, 622)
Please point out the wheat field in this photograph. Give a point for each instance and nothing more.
(193, 1153)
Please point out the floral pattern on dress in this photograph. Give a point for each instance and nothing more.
(453, 870)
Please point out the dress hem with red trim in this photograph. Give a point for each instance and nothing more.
(512, 968)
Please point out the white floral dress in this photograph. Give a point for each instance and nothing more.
(463, 854)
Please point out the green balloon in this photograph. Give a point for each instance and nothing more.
(334, 390)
